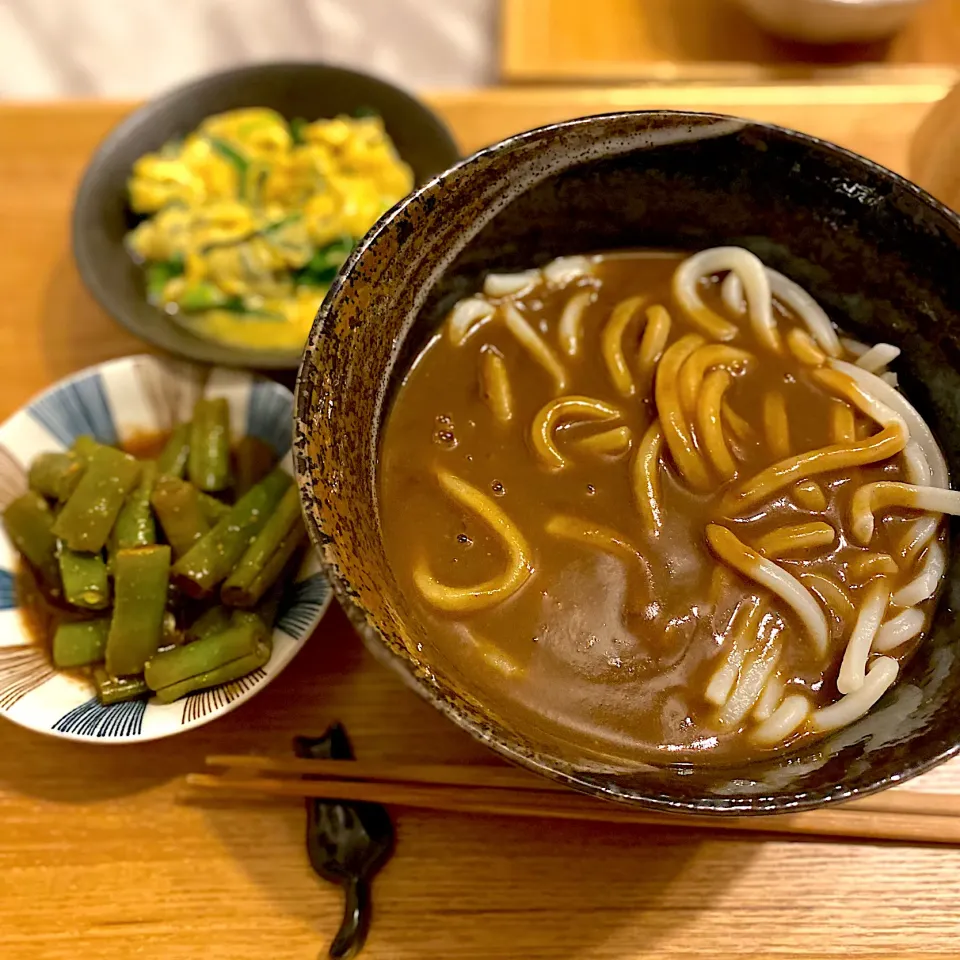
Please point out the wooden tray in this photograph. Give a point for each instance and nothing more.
(98, 856)
(605, 41)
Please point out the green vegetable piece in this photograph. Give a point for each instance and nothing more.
(253, 459)
(209, 461)
(84, 447)
(158, 275)
(80, 643)
(55, 475)
(266, 557)
(213, 510)
(234, 670)
(325, 263)
(140, 583)
(288, 550)
(176, 451)
(233, 653)
(366, 111)
(297, 127)
(203, 295)
(212, 558)
(236, 159)
(135, 526)
(84, 577)
(29, 524)
(89, 515)
(212, 621)
(178, 508)
(118, 689)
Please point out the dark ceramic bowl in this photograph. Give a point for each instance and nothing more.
(875, 250)
(101, 217)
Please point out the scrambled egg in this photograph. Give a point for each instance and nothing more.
(249, 218)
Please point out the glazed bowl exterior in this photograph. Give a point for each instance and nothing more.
(878, 253)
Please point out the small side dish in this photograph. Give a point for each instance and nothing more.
(248, 219)
(158, 575)
(153, 574)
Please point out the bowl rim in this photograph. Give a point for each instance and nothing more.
(282, 661)
(370, 633)
(206, 351)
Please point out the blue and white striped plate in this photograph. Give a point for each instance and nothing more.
(114, 402)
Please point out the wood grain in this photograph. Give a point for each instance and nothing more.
(928, 818)
(101, 856)
(617, 40)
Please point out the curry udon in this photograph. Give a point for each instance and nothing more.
(653, 507)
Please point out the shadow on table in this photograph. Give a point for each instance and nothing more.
(70, 772)
(484, 886)
(461, 885)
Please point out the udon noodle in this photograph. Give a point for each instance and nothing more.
(653, 506)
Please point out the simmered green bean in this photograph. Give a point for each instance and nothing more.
(176, 452)
(147, 555)
(177, 505)
(266, 557)
(89, 515)
(135, 526)
(118, 689)
(140, 584)
(80, 643)
(209, 461)
(233, 670)
(230, 654)
(274, 567)
(213, 556)
(84, 578)
(56, 474)
(29, 524)
(211, 621)
(213, 510)
(84, 447)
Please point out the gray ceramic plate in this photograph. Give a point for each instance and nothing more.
(309, 90)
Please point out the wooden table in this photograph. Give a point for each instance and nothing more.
(100, 857)
(619, 40)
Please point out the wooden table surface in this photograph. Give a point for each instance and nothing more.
(101, 857)
(619, 40)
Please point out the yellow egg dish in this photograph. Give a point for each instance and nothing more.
(248, 219)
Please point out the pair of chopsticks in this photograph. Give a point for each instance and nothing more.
(902, 815)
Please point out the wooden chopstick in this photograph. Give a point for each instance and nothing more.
(550, 804)
(899, 815)
(514, 778)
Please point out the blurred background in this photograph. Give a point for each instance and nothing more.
(134, 48)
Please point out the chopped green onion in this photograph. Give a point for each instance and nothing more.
(237, 159)
(297, 127)
(159, 274)
(325, 263)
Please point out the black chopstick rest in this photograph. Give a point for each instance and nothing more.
(347, 842)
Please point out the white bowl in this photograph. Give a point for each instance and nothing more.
(831, 21)
(115, 401)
